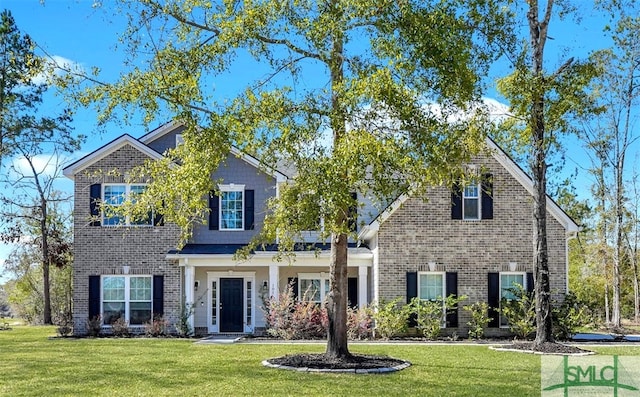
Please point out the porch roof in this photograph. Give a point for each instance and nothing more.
(230, 249)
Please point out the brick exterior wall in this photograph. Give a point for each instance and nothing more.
(105, 250)
(422, 231)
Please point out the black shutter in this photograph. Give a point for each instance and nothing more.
(353, 213)
(530, 282)
(487, 196)
(94, 297)
(352, 291)
(158, 217)
(293, 281)
(412, 292)
(456, 201)
(493, 300)
(158, 296)
(95, 195)
(214, 211)
(451, 284)
(248, 210)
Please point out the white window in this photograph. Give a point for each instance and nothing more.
(232, 207)
(179, 140)
(126, 297)
(114, 195)
(471, 201)
(431, 286)
(313, 286)
(509, 281)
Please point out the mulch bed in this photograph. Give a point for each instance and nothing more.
(322, 361)
(546, 348)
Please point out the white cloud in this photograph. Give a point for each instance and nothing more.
(57, 65)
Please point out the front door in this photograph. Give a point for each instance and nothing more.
(231, 304)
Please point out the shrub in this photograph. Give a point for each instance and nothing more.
(390, 318)
(479, 319)
(120, 328)
(430, 314)
(359, 323)
(65, 324)
(183, 328)
(94, 326)
(156, 327)
(568, 316)
(519, 312)
(290, 319)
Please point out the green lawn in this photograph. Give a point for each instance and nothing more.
(32, 364)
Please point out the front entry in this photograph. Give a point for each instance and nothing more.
(231, 304)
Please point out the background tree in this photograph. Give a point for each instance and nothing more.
(22, 89)
(27, 134)
(612, 137)
(356, 95)
(27, 210)
(28, 290)
(543, 105)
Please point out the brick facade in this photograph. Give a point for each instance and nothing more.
(422, 231)
(105, 250)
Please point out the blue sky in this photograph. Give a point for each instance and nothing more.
(85, 35)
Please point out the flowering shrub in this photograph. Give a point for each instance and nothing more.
(359, 323)
(156, 327)
(289, 319)
(120, 327)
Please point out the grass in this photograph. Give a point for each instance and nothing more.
(32, 364)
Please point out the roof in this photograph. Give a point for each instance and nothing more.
(512, 167)
(141, 144)
(71, 170)
(173, 125)
(231, 249)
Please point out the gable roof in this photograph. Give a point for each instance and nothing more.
(512, 167)
(71, 170)
(173, 125)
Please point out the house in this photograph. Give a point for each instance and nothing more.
(475, 241)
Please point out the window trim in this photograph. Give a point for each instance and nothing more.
(127, 194)
(231, 188)
(524, 286)
(323, 292)
(478, 199)
(127, 296)
(444, 283)
(443, 324)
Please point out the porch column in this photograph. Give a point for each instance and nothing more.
(189, 298)
(274, 277)
(362, 286)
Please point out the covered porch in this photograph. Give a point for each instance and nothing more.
(226, 295)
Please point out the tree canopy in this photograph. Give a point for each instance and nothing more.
(354, 95)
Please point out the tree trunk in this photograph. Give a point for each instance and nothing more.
(45, 264)
(337, 299)
(542, 289)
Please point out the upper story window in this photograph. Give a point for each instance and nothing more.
(232, 207)
(114, 195)
(179, 140)
(471, 202)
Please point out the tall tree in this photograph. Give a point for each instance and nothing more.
(614, 134)
(26, 212)
(356, 95)
(543, 105)
(22, 89)
(26, 133)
